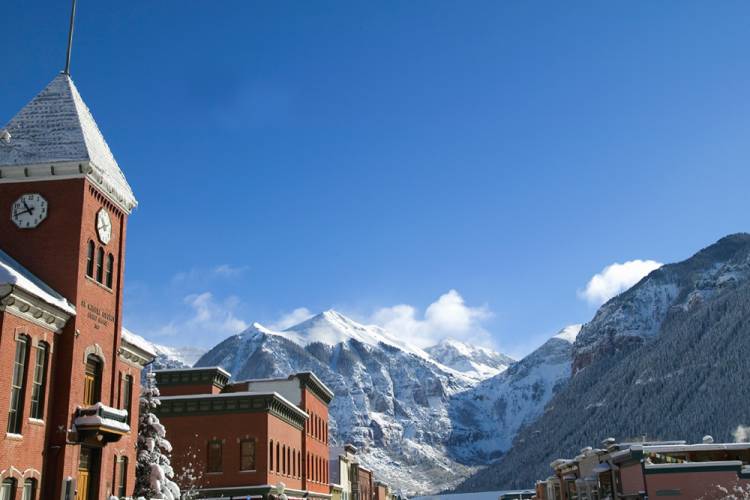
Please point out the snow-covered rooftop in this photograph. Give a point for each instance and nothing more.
(13, 273)
(138, 341)
(57, 127)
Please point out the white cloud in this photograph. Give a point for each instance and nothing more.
(448, 316)
(741, 434)
(292, 318)
(615, 279)
(208, 317)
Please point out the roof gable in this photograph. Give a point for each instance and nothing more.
(57, 127)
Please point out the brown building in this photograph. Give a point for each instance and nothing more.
(67, 373)
(252, 436)
(364, 487)
(630, 471)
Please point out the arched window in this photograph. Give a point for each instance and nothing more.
(29, 489)
(8, 489)
(100, 265)
(283, 459)
(39, 383)
(92, 381)
(90, 260)
(270, 457)
(110, 270)
(18, 385)
(278, 458)
(122, 479)
(127, 394)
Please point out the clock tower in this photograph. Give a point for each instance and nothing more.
(64, 206)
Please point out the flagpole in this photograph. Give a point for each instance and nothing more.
(70, 38)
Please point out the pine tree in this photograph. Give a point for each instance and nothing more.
(153, 471)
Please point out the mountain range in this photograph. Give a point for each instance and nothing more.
(411, 412)
(664, 359)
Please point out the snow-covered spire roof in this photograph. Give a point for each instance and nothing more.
(56, 135)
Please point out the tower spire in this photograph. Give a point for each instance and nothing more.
(70, 38)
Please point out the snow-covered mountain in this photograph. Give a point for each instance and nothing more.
(668, 359)
(166, 356)
(424, 420)
(476, 362)
(487, 417)
(391, 400)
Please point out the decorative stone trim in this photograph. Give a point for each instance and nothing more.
(32, 474)
(133, 355)
(11, 472)
(32, 309)
(69, 170)
(176, 406)
(190, 376)
(96, 350)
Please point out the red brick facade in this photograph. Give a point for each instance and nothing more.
(285, 419)
(48, 449)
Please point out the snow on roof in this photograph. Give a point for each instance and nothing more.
(138, 341)
(569, 333)
(56, 127)
(13, 273)
(195, 369)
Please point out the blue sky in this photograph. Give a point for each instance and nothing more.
(474, 163)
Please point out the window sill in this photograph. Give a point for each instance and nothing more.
(248, 471)
(214, 473)
(36, 421)
(100, 285)
(13, 436)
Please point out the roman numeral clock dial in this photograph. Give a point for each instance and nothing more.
(103, 226)
(29, 211)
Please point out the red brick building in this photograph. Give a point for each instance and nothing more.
(67, 375)
(248, 436)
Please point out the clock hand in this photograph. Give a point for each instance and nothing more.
(28, 208)
(27, 211)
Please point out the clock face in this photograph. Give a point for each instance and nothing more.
(29, 211)
(103, 226)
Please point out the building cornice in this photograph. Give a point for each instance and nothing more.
(68, 170)
(213, 404)
(134, 355)
(24, 305)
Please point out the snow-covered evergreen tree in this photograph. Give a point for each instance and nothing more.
(153, 472)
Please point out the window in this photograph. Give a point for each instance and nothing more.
(110, 270)
(8, 489)
(90, 260)
(100, 265)
(299, 464)
(92, 381)
(122, 478)
(278, 460)
(29, 489)
(127, 395)
(270, 457)
(18, 386)
(214, 456)
(247, 454)
(39, 383)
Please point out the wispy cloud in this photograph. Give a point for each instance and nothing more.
(291, 318)
(207, 316)
(615, 279)
(448, 316)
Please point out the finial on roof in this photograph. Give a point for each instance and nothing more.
(70, 38)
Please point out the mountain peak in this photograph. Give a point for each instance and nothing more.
(475, 362)
(569, 333)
